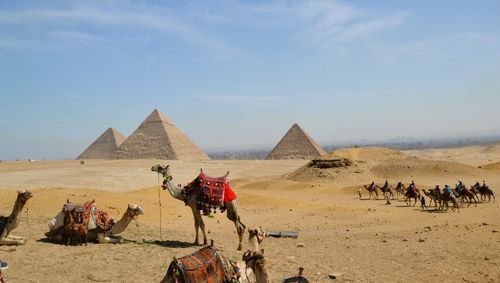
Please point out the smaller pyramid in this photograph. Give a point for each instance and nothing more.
(158, 138)
(104, 147)
(296, 144)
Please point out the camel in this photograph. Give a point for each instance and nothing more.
(400, 189)
(372, 188)
(431, 194)
(191, 200)
(412, 194)
(7, 224)
(464, 195)
(205, 265)
(386, 189)
(56, 226)
(484, 191)
(256, 262)
(446, 197)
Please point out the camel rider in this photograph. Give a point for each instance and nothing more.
(411, 189)
(437, 189)
(484, 184)
(386, 184)
(447, 189)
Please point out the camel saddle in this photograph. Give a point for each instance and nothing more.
(211, 193)
(206, 265)
(94, 217)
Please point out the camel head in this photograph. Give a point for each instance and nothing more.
(24, 195)
(134, 210)
(164, 170)
(254, 259)
(257, 233)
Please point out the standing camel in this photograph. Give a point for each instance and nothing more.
(9, 223)
(433, 197)
(400, 189)
(191, 201)
(386, 189)
(372, 188)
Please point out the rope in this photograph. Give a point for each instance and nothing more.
(159, 203)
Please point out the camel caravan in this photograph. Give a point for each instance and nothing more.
(459, 196)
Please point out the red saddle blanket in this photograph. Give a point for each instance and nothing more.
(210, 192)
(205, 265)
(102, 219)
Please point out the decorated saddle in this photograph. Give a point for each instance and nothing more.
(93, 217)
(206, 265)
(211, 193)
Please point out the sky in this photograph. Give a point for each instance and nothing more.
(240, 73)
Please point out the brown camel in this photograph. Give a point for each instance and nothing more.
(433, 197)
(412, 194)
(400, 189)
(446, 197)
(465, 196)
(9, 223)
(191, 201)
(256, 262)
(372, 189)
(206, 265)
(484, 191)
(386, 189)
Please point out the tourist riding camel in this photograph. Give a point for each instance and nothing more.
(9, 223)
(386, 189)
(483, 190)
(400, 189)
(464, 195)
(204, 194)
(447, 196)
(412, 193)
(372, 189)
(101, 227)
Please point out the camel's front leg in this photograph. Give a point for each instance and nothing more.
(197, 220)
(10, 242)
(103, 239)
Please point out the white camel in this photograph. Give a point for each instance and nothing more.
(56, 226)
(191, 201)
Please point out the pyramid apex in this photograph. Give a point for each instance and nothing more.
(157, 116)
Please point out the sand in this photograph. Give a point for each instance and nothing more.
(364, 240)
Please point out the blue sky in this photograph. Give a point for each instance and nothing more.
(240, 73)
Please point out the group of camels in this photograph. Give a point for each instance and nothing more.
(459, 196)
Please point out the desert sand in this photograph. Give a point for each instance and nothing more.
(361, 240)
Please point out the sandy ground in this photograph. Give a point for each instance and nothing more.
(362, 240)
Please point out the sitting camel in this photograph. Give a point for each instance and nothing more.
(372, 188)
(191, 200)
(256, 262)
(96, 233)
(7, 224)
(206, 265)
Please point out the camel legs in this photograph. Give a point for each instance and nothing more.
(102, 239)
(11, 241)
(198, 223)
(232, 214)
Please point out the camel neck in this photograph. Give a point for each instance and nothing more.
(122, 224)
(261, 275)
(18, 207)
(174, 191)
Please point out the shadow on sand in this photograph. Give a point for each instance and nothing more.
(167, 243)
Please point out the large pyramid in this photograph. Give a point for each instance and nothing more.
(296, 144)
(158, 138)
(104, 147)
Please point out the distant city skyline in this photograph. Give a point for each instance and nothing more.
(240, 73)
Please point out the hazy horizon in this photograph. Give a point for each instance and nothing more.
(233, 73)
